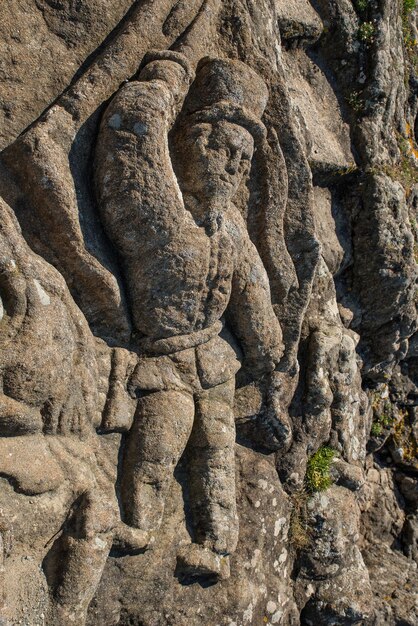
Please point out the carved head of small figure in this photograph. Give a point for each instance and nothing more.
(219, 129)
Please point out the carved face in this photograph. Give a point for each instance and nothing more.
(213, 158)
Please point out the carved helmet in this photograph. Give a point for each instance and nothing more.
(228, 90)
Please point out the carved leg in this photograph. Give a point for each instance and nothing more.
(212, 470)
(82, 555)
(160, 432)
(84, 566)
(2, 587)
(5, 547)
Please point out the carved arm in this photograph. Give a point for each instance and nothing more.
(136, 187)
(250, 312)
(251, 316)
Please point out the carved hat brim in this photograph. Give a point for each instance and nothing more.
(228, 112)
(229, 90)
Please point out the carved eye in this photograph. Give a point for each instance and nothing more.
(202, 142)
(244, 166)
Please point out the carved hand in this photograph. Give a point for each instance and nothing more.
(172, 68)
(17, 418)
(274, 421)
(196, 40)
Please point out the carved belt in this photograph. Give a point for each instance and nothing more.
(170, 345)
(198, 361)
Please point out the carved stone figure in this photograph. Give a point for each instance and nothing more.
(122, 478)
(57, 490)
(192, 274)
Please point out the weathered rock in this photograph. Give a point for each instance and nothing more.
(338, 591)
(37, 39)
(208, 215)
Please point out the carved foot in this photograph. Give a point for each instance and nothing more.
(128, 538)
(64, 616)
(195, 561)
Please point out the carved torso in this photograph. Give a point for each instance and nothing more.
(181, 275)
(46, 343)
(184, 286)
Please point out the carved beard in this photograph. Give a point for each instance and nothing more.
(212, 221)
(210, 217)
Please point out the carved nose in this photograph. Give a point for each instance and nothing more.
(233, 164)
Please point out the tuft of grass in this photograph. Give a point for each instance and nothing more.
(409, 6)
(366, 32)
(383, 412)
(405, 439)
(318, 477)
(376, 429)
(361, 5)
(355, 101)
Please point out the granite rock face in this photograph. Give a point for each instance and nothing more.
(208, 326)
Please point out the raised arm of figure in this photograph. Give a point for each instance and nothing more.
(138, 194)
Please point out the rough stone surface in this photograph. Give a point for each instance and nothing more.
(208, 264)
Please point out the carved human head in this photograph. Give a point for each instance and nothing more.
(220, 126)
(214, 158)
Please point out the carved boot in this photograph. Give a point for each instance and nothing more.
(196, 561)
(131, 539)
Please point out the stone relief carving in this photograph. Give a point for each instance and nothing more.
(49, 451)
(189, 335)
(192, 276)
(189, 264)
(51, 404)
